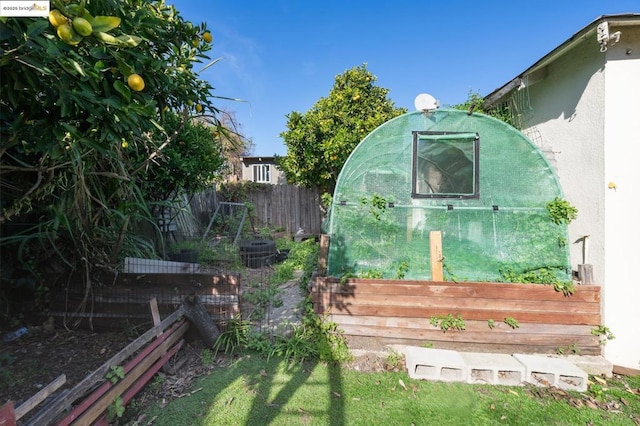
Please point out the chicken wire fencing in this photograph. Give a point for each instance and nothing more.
(124, 302)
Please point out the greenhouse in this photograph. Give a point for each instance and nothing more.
(476, 179)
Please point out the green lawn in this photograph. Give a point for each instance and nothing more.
(252, 391)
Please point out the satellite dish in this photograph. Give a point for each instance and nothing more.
(426, 102)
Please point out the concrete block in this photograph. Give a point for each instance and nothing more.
(546, 371)
(435, 364)
(591, 364)
(493, 369)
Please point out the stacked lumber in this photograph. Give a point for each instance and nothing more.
(88, 401)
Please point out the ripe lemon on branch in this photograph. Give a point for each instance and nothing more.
(206, 36)
(68, 34)
(135, 82)
(56, 18)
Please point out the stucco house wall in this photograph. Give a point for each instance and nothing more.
(581, 106)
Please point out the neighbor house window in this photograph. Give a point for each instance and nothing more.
(445, 165)
(262, 173)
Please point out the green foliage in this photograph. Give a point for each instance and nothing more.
(561, 211)
(78, 144)
(427, 345)
(394, 359)
(475, 103)
(571, 349)
(372, 274)
(604, 333)
(511, 322)
(330, 341)
(377, 205)
(115, 373)
(303, 256)
(261, 295)
(448, 322)
(325, 200)
(207, 357)
(157, 382)
(491, 324)
(192, 162)
(296, 347)
(251, 391)
(403, 267)
(6, 359)
(116, 409)
(232, 339)
(540, 276)
(320, 140)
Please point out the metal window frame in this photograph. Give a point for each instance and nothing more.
(416, 135)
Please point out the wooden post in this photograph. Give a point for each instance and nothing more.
(198, 315)
(435, 244)
(585, 273)
(155, 315)
(323, 254)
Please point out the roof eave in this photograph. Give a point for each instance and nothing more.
(617, 20)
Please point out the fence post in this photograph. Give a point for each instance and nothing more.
(323, 254)
(435, 243)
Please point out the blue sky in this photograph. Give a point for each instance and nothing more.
(280, 56)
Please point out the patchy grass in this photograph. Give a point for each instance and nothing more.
(251, 390)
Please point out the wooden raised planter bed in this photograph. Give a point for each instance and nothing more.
(376, 312)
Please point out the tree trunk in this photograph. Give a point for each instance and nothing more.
(198, 315)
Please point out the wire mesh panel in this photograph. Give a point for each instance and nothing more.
(403, 181)
(124, 302)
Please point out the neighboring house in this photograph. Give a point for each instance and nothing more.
(580, 104)
(262, 170)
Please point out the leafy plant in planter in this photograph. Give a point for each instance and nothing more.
(561, 211)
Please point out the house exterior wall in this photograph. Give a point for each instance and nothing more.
(585, 118)
(567, 117)
(622, 228)
(276, 175)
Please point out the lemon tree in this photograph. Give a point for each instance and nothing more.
(80, 135)
(320, 140)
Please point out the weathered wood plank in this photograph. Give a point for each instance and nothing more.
(470, 303)
(36, 399)
(61, 402)
(456, 290)
(89, 416)
(475, 314)
(142, 380)
(436, 335)
(176, 331)
(471, 325)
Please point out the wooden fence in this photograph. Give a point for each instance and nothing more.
(288, 206)
(376, 312)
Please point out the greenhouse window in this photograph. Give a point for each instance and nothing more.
(445, 165)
